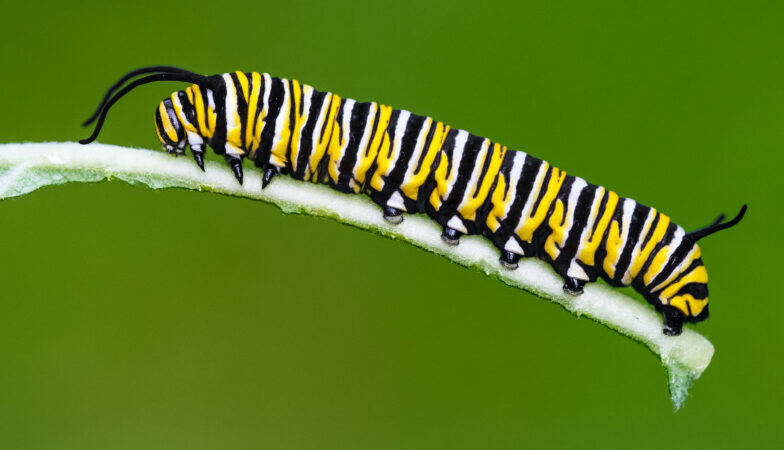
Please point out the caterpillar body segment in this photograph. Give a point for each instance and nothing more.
(408, 163)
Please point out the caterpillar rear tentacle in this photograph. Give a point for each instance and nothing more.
(408, 163)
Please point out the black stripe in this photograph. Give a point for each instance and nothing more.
(357, 125)
(665, 240)
(522, 191)
(407, 145)
(639, 216)
(307, 146)
(293, 107)
(187, 108)
(426, 146)
(581, 214)
(465, 169)
(325, 125)
(675, 259)
(485, 168)
(543, 189)
(600, 212)
(159, 125)
(275, 104)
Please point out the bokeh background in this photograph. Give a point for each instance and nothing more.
(140, 319)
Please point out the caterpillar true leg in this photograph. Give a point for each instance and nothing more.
(269, 173)
(235, 162)
(198, 155)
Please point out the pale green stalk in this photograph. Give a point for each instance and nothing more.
(26, 167)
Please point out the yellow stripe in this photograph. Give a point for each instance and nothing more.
(558, 230)
(417, 179)
(697, 275)
(695, 305)
(168, 128)
(301, 118)
(657, 236)
(656, 265)
(613, 249)
(323, 139)
(383, 159)
(588, 251)
(158, 132)
(696, 253)
(441, 181)
(251, 142)
(367, 155)
(200, 105)
(496, 155)
(499, 201)
(178, 110)
(531, 223)
(243, 84)
(333, 150)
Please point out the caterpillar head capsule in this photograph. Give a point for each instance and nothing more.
(170, 129)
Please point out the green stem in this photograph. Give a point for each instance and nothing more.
(26, 167)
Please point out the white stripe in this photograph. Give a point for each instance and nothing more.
(517, 171)
(628, 209)
(231, 108)
(574, 194)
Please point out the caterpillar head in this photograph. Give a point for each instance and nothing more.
(170, 129)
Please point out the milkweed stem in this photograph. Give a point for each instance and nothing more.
(27, 167)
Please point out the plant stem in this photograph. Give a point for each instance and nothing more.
(26, 167)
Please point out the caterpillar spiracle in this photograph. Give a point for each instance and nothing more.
(407, 163)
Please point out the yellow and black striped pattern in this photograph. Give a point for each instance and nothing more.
(468, 184)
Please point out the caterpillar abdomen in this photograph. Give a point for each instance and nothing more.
(414, 164)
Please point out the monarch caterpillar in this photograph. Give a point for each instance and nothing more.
(415, 164)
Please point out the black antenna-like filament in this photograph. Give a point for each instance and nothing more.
(128, 76)
(188, 77)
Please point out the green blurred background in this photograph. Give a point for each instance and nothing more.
(140, 319)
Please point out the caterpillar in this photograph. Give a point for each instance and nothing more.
(407, 163)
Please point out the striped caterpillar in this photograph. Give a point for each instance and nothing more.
(415, 164)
